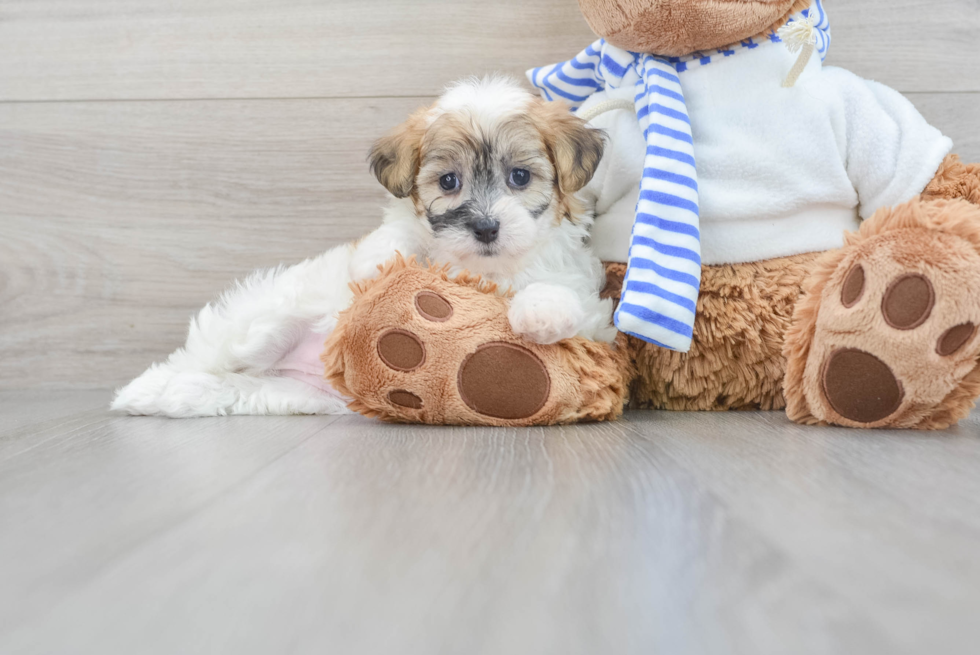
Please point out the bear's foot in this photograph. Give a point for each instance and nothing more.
(887, 335)
(417, 346)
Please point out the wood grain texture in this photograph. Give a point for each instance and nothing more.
(21, 409)
(289, 48)
(126, 49)
(665, 532)
(879, 497)
(118, 220)
(162, 472)
(957, 115)
(906, 44)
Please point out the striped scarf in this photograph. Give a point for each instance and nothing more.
(663, 273)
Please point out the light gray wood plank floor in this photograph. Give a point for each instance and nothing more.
(661, 533)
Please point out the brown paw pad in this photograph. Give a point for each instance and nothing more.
(853, 287)
(504, 380)
(404, 398)
(860, 387)
(908, 301)
(955, 338)
(433, 307)
(401, 350)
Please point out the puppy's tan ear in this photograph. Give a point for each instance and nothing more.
(394, 157)
(576, 148)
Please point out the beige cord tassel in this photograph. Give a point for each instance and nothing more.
(799, 36)
(603, 107)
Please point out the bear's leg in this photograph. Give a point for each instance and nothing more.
(953, 180)
(886, 335)
(417, 346)
(736, 360)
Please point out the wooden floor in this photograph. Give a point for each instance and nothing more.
(661, 533)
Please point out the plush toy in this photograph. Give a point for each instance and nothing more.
(782, 235)
(417, 346)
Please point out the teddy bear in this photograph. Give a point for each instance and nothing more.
(780, 235)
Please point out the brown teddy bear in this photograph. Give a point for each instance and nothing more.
(835, 240)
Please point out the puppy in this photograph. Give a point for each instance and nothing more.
(483, 180)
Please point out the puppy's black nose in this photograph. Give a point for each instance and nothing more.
(486, 230)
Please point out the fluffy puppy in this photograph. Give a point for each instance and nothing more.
(482, 180)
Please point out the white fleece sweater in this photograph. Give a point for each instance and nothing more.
(781, 171)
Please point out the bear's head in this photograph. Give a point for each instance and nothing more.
(673, 28)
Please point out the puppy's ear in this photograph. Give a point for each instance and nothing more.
(576, 149)
(394, 158)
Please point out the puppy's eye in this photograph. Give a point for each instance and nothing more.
(449, 182)
(519, 177)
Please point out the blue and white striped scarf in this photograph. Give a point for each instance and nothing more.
(663, 273)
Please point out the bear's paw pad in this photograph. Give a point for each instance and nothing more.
(504, 380)
(418, 347)
(896, 331)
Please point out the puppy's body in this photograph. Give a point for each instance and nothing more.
(483, 181)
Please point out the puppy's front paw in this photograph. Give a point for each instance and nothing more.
(545, 313)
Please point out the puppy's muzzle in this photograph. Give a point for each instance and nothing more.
(486, 230)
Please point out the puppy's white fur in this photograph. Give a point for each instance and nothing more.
(235, 349)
